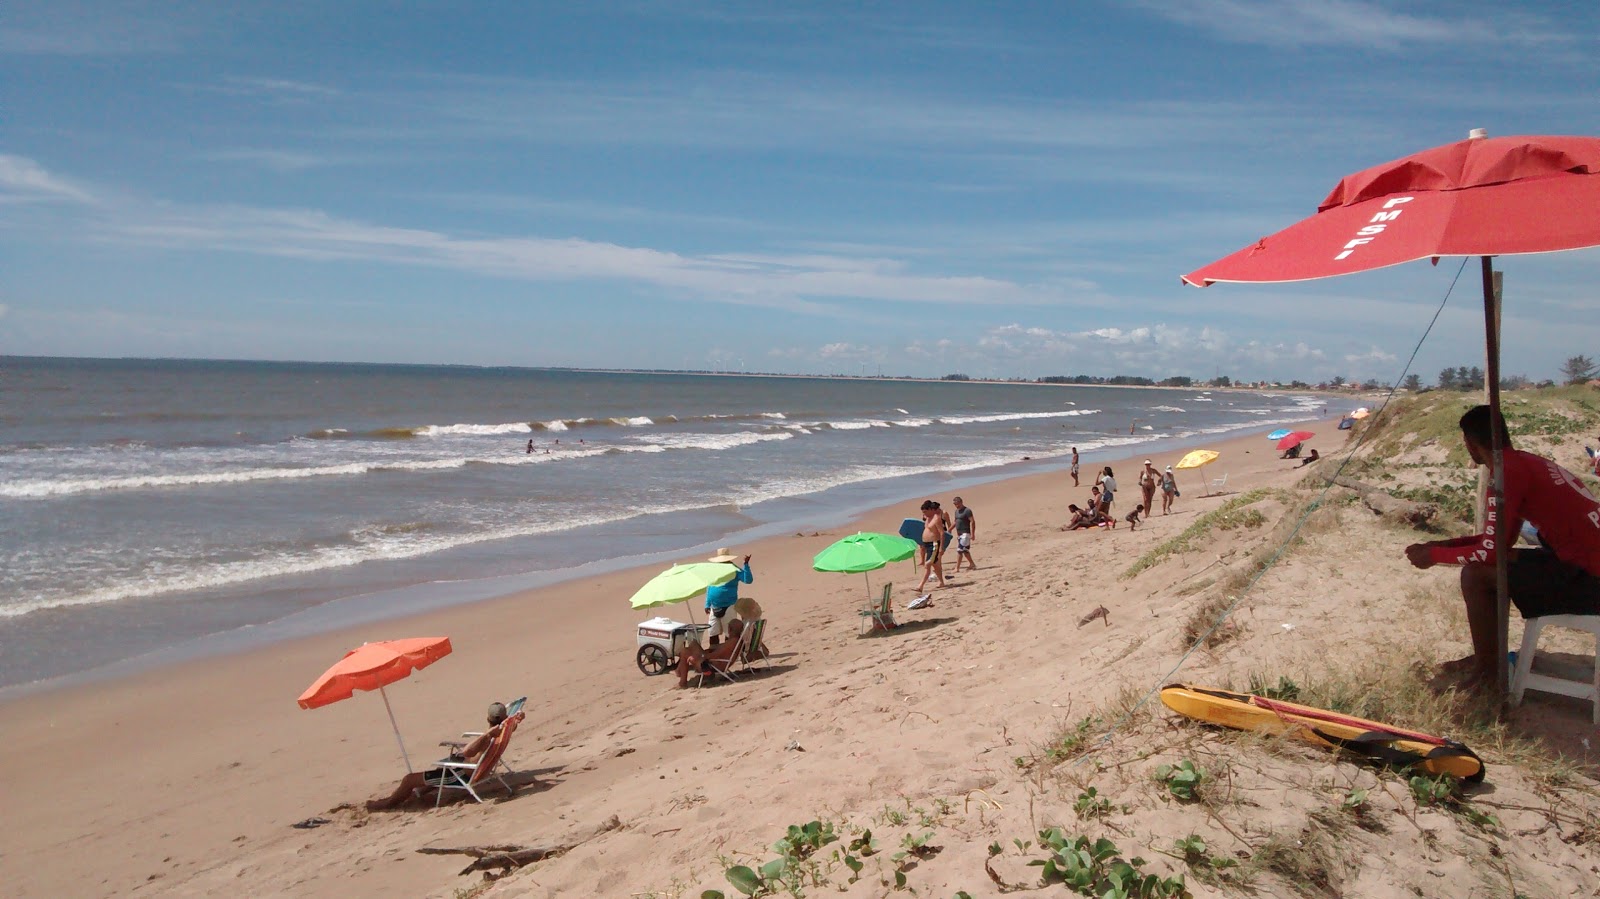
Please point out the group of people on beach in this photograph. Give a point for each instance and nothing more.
(1097, 512)
(936, 524)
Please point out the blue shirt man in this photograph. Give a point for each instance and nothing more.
(720, 599)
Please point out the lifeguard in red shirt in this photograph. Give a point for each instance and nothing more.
(1561, 577)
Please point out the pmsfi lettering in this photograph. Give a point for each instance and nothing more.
(1380, 221)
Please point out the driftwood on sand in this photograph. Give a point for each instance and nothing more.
(1414, 514)
(1100, 612)
(509, 857)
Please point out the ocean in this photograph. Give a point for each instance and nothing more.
(150, 504)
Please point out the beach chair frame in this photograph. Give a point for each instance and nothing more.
(879, 612)
(469, 776)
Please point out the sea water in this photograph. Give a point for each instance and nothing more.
(145, 503)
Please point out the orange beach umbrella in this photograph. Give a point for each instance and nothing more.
(372, 666)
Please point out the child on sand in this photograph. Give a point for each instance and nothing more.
(1133, 517)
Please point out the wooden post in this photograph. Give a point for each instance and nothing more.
(1483, 473)
(1497, 489)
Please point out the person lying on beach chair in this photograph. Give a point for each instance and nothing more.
(697, 659)
(419, 780)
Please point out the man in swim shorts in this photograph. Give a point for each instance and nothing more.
(932, 543)
(966, 532)
(1561, 577)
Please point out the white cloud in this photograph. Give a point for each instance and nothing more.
(23, 179)
(1294, 23)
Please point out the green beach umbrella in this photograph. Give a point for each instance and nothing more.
(681, 583)
(864, 552)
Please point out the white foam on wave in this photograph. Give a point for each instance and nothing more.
(636, 421)
(848, 425)
(1165, 409)
(45, 488)
(368, 544)
(711, 441)
(555, 425)
(914, 422)
(510, 427)
(1012, 416)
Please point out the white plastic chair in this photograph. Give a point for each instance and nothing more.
(1523, 677)
(1219, 483)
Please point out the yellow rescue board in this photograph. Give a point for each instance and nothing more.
(1373, 740)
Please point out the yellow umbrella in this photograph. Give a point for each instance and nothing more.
(1197, 458)
(1361, 413)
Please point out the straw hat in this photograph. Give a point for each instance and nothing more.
(724, 554)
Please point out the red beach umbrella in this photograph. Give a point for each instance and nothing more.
(1478, 197)
(1295, 439)
(373, 666)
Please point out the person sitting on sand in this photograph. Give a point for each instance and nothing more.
(1561, 577)
(1310, 459)
(418, 780)
(1133, 517)
(1292, 452)
(1080, 518)
(695, 658)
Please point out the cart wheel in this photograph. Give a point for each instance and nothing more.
(652, 659)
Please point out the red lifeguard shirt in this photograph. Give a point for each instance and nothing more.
(1551, 499)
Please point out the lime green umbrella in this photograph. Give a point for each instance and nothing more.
(681, 583)
(864, 552)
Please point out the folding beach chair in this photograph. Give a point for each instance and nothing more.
(512, 709)
(469, 776)
(879, 614)
(752, 650)
(722, 667)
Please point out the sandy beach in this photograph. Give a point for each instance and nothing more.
(186, 780)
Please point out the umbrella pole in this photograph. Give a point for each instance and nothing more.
(385, 694)
(1497, 478)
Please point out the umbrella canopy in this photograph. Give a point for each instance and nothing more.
(681, 583)
(1295, 439)
(1478, 197)
(1361, 413)
(1279, 434)
(1197, 458)
(373, 666)
(864, 552)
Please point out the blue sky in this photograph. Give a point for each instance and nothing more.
(994, 188)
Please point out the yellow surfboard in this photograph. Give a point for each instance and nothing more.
(1372, 740)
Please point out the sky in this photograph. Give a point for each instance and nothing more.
(997, 189)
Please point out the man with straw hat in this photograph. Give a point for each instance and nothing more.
(720, 599)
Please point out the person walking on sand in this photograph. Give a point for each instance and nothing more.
(932, 544)
(1560, 577)
(966, 533)
(1074, 466)
(721, 598)
(1169, 489)
(1149, 479)
(1108, 491)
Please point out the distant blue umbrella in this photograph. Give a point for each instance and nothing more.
(1279, 434)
